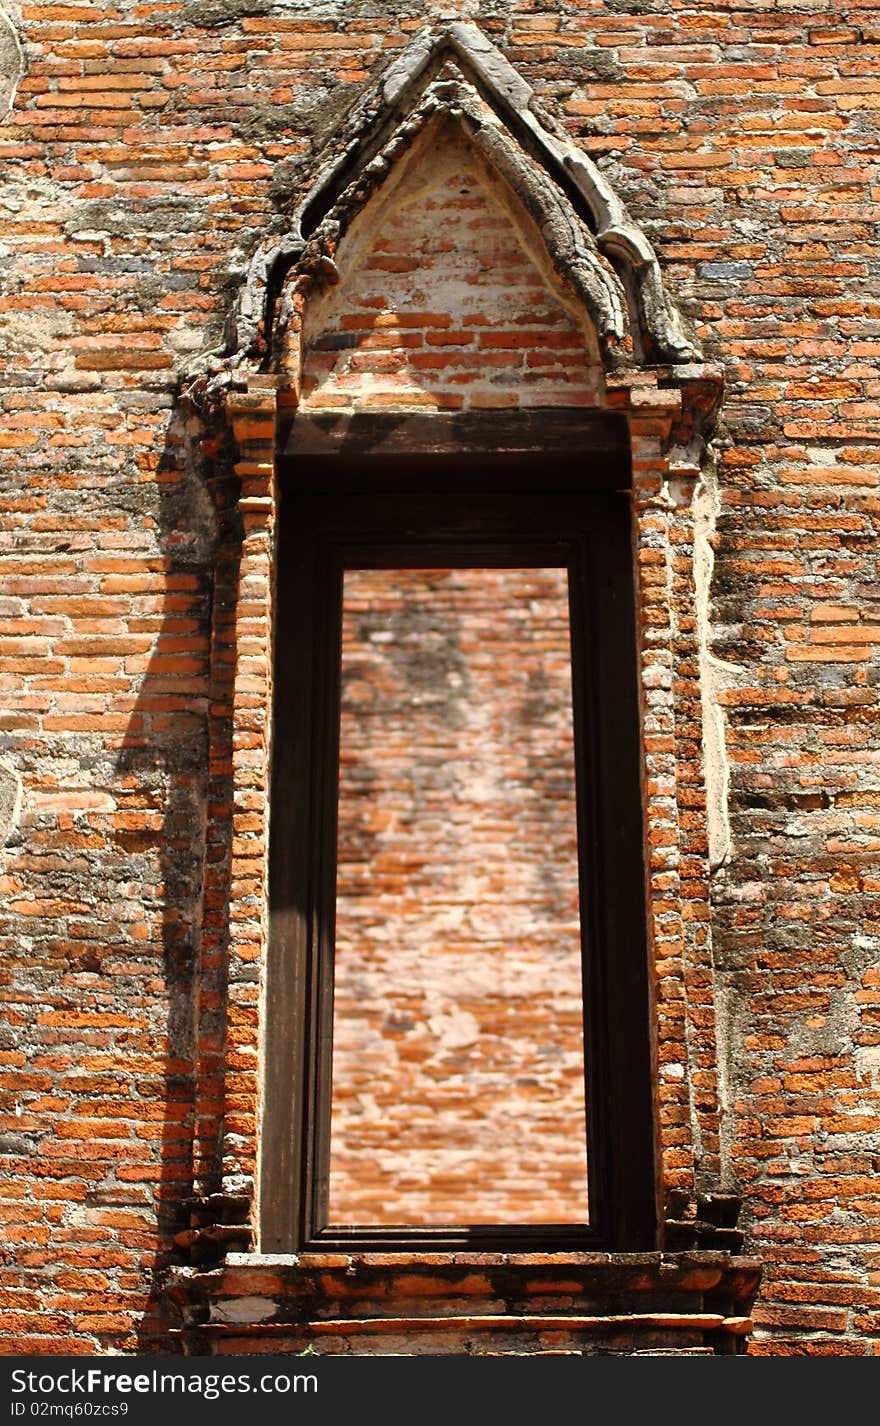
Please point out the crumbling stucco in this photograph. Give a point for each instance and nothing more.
(10, 801)
(11, 63)
(714, 673)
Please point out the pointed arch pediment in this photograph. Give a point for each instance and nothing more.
(579, 213)
(595, 246)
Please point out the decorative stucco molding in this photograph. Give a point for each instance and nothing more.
(594, 244)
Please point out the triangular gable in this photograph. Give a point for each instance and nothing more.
(593, 243)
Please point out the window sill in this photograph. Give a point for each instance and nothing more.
(464, 1303)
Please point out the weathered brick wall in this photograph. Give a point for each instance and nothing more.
(147, 151)
(458, 1064)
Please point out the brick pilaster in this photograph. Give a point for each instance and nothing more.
(252, 416)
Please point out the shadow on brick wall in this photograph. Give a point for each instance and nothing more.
(174, 772)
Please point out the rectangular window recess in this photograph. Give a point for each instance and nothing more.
(457, 1049)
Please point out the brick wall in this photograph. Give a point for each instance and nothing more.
(458, 1064)
(148, 149)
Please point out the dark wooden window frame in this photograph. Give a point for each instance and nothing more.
(461, 501)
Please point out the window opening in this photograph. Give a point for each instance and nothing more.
(458, 1032)
(412, 624)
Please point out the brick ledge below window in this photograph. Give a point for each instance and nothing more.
(465, 1303)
